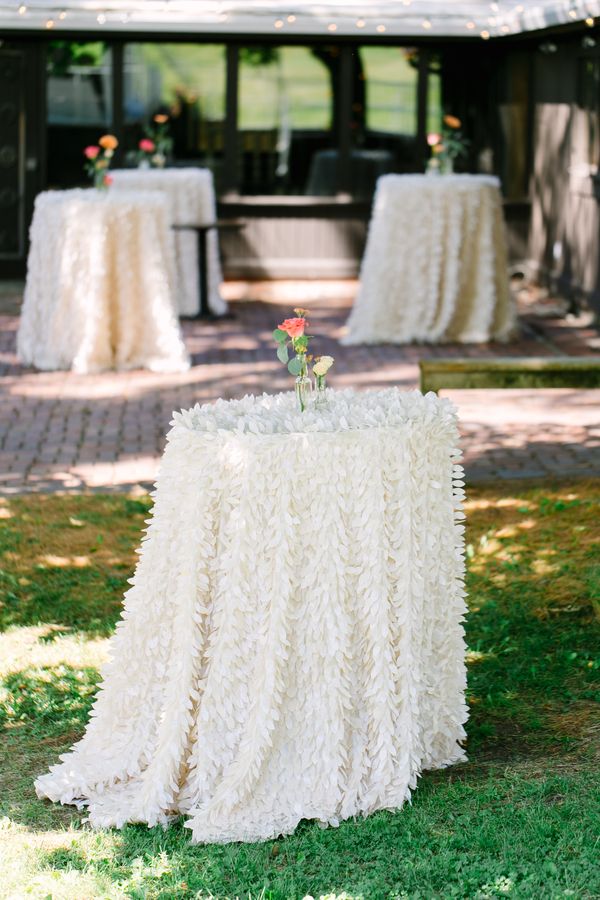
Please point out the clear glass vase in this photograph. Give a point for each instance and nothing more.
(303, 386)
(100, 182)
(320, 391)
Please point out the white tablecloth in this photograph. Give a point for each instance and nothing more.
(191, 200)
(99, 284)
(292, 644)
(435, 266)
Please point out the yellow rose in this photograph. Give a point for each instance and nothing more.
(323, 365)
(108, 142)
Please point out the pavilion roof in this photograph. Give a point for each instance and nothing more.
(405, 18)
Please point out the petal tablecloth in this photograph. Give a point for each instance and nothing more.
(435, 265)
(190, 199)
(291, 646)
(99, 292)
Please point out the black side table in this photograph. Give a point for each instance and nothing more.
(202, 233)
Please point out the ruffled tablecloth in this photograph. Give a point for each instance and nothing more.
(435, 264)
(99, 285)
(291, 646)
(190, 198)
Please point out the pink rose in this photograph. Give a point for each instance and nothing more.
(91, 152)
(108, 180)
(294, 327)
(147, 146)
(433, 138)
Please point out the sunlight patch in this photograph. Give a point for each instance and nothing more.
(60, 562)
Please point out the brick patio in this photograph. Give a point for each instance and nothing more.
(60, 431)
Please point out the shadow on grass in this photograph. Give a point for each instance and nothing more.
(65, 561)
(46, 702)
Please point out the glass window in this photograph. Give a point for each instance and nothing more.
(188, 83)
(391, 75)
(79, 106)
(434, 97)
(79, 84)
(384, 115)
(285, 119)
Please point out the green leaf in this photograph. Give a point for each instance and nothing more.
(301, 344)
(280, 336)
(294, 366)
(282, 353)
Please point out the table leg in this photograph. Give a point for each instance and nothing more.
(203, 307)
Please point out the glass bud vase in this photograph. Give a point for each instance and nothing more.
(320, 391)
(100, 179)
(303, 384)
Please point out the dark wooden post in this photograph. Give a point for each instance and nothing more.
(231, 148)
(422, 90)
(118, 99)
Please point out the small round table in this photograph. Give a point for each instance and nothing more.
(99, 292)
(435, 264)
(292, 646)
(190, 197)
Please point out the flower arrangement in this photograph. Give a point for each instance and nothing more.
(292, 334)
(156, 145)
(99, 157)
(447, 146)
(158, 135)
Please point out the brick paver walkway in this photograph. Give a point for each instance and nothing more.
(60, 431)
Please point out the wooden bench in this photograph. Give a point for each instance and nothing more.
(510, 372)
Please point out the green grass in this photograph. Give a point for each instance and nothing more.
(520, 820)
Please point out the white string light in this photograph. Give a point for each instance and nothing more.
(501, 18)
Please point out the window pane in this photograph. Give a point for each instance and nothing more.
(434, 99)
(285, 118)
(186, 81)
(79, 104)
(391, 75)
(79, 84)
(384, 115)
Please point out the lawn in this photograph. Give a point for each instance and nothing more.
(520, 820)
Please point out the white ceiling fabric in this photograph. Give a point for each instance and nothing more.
(471, 18)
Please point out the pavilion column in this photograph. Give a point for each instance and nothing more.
(118, 98)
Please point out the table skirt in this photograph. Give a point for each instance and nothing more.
(291, 646)
(435, 265)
